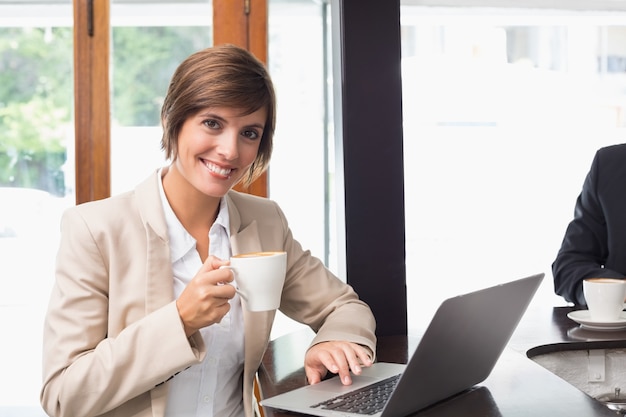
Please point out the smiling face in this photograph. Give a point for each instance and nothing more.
(216, 148)
(216, 79)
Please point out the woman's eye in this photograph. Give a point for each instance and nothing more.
(251, 134)
(211, 124)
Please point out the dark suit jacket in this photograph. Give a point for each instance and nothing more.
(595, 241)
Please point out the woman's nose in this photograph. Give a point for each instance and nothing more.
(228, 145)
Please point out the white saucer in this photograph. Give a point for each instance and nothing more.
(583, 318)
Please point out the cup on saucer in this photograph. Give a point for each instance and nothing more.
(605, 298)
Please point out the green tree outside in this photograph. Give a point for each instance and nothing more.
(35, 106)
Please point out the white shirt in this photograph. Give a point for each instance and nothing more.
(214, 387)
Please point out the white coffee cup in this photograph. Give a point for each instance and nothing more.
(605, 298)
(259, 278)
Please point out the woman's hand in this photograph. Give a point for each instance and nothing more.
(205, 300)
(338, 357)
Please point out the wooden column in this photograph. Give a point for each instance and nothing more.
(92, 103)
(243, 23)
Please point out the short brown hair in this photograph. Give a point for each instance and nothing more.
(220, 76)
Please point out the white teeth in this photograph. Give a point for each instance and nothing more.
(222, 171)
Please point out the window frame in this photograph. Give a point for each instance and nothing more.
(241, 23)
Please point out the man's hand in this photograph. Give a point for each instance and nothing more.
(338, 357)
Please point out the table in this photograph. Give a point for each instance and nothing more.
(517, 387)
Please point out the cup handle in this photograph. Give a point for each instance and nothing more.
(233, 283)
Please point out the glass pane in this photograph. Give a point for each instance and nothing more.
(149, 40)
(299, 176)
(36, 183)
(503, 113)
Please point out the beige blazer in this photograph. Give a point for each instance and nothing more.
(112, 334)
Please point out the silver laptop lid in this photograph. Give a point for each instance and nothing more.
(461, 344)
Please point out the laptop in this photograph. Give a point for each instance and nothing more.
(459, 349)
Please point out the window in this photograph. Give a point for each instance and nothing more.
(163, 35)
(36, 183)
(503, 111)
(299, 176)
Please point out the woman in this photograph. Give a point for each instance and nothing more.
(139, 323)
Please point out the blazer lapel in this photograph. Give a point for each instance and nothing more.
(159, 285)
(245, 238)
(159, 274)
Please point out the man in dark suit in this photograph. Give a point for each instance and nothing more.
(595, 240)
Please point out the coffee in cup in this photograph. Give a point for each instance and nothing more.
(605, 298)
(259, 278)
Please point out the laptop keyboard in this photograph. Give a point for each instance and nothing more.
(367, 400)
